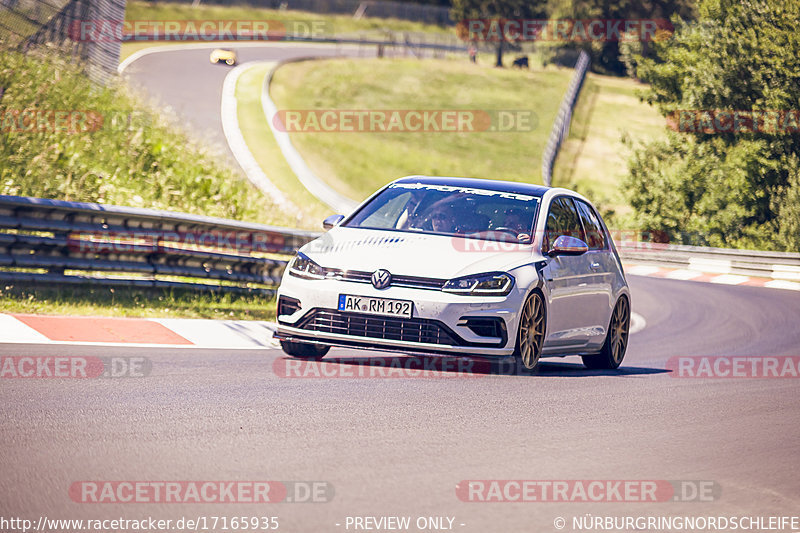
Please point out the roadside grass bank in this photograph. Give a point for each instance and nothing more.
(262, 144)
(133, 302)
(593, 160)
(66, 139)
(285, 19)
(357, 163)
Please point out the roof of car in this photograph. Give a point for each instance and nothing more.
(478, 183)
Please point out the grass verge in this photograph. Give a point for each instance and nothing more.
(357, 164)
(287, 18)
(130, 302)
(342, 26)
(262, 144)
(109, 149)
(593, 160)
(112, 149)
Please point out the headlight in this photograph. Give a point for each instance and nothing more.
(491, 284)
(303, 267)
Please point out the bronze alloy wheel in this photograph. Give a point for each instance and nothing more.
(613, 351)
(530, 337)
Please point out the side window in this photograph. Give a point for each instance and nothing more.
(562, 220)
(595, 237)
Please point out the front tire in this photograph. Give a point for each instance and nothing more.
(530, 334)
(613, 351)
(302, 350)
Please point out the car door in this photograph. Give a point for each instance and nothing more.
(602, 265)
(567, 280)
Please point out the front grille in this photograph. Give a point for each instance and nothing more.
(414, 282)
(418, 282)
(377, 327)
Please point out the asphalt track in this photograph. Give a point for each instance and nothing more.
(191, 86)
(400, 445)
(393, 446)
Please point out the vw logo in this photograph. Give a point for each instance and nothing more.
(381, 279)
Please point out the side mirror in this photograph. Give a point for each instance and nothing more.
(332, 221)
(565, 245)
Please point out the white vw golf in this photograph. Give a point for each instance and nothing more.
(455, 266)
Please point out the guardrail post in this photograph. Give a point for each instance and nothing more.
(560, 129)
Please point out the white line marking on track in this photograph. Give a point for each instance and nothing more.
(684, 274)
(223, 333)
(641, 270)
(638, 323)
(13, 330)
(712, 266)
(144, 345)
(315, 185)
(730, 279)
(242, 153)
(783, 284)
(205, 334)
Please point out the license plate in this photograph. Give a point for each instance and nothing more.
(375, 306)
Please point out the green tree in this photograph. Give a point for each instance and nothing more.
(495, 11)
(720, 185)
(608, 56)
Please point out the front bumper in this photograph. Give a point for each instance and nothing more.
(439, 325)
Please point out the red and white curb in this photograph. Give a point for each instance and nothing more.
(719, 277)
(152, 332)
(141, 332)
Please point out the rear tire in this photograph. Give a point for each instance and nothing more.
(613, 351)
(302, 350)
(530, 334)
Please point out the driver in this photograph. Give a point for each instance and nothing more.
(442, 222)
(515, 221)
(457, 216)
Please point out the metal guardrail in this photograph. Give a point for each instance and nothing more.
(561, 125)
(59, 242)
(415, 43)
(775, 265)
(52, 241)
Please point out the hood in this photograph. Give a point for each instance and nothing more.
(415, 254)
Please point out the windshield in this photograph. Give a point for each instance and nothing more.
(450, 210)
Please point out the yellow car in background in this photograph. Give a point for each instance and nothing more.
(223, 54)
